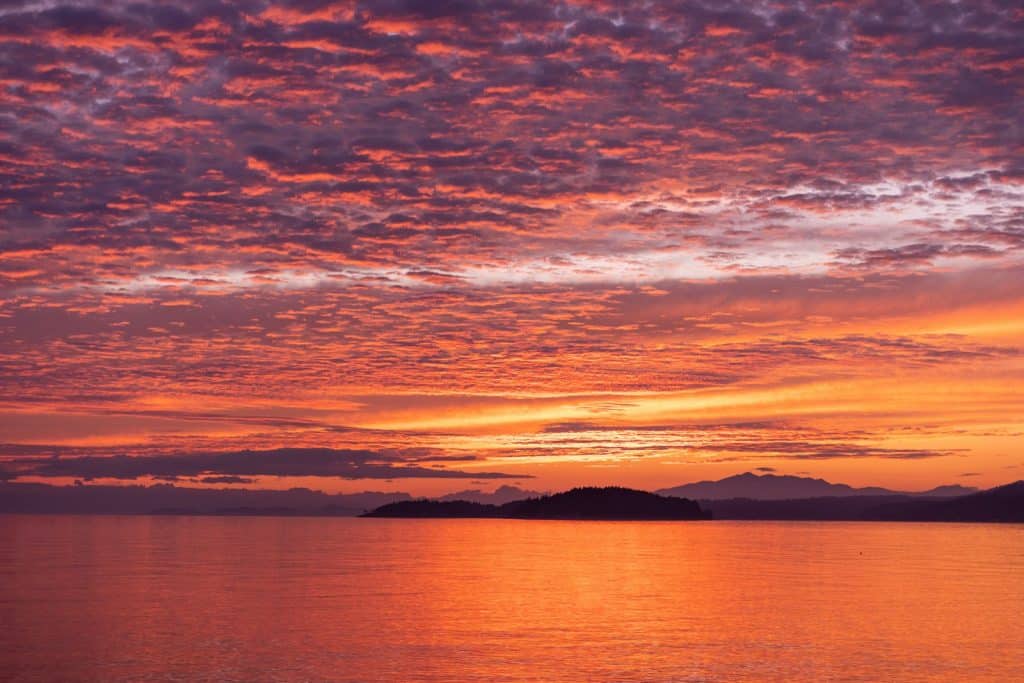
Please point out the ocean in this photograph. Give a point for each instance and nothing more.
(163, 598)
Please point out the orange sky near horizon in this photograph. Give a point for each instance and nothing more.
(563, 244)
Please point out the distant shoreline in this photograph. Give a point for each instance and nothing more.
(315, 515)
(1004, 504)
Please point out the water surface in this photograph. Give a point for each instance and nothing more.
(331, 599)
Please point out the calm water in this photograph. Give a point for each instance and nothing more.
(249, 599)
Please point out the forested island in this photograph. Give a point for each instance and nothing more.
(607, 503)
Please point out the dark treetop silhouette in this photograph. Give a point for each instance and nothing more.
(610, 503)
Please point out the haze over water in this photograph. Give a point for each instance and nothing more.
(317, 599)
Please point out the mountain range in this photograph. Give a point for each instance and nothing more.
(26, 497)
(742, 496)
(788, 487)
(1001, 504)
(500, 496)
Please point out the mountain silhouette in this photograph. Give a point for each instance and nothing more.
(1001, 504)
(788, 487)
(501, 495)
(824, 508)
(609, 503)
(947, 491)
(26, 497)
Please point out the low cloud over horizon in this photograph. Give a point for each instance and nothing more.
(239, 467)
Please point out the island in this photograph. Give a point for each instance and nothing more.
(594, 503)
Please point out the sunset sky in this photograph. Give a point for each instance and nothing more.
(429, 246)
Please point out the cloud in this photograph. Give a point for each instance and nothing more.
(236, 466)
(799, 450)
(574, 427)
(246, 225)
(485, 133)
(227, 479)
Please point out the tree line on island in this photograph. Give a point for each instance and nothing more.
(609, 503)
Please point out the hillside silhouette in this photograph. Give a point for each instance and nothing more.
(435, 508)
(608, 503)
(500, 496)
(1001, 504)
(167, 499)
(790, 487)
(825, 508)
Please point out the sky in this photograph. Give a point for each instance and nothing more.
(428, 246)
